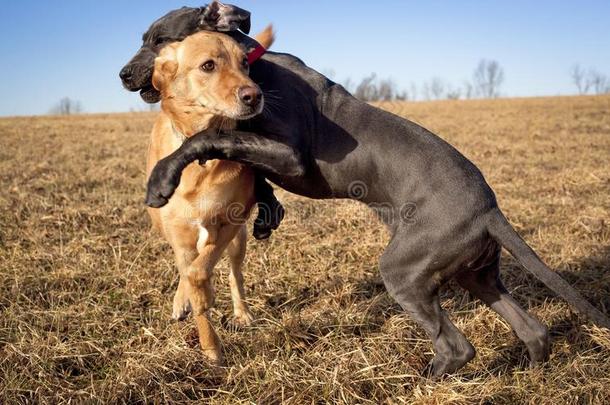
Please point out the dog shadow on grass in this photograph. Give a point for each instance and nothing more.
(310, 313)
(590, 276)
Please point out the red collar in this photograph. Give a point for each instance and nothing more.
(256, 54)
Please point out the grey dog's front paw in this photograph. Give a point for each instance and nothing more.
(162, 184)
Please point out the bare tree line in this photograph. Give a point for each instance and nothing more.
(487, 80)
(146, 108)
(589, 81)
(67, 106)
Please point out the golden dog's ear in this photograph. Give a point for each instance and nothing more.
(166, 66)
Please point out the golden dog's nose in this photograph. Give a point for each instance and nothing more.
(250, 96)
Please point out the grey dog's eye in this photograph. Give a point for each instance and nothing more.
(208, 66)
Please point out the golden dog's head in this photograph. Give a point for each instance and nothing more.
(206, 75)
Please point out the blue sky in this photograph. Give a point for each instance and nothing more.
(52, 49)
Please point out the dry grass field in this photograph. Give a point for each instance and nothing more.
(86, 288)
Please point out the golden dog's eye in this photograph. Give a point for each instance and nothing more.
(208, 66)
(245, 63)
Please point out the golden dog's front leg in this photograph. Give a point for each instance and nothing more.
(201, 285)
(183, 238)
(208, 339)
(200, 291)
(182, 306)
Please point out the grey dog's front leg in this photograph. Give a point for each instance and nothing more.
(263, 154)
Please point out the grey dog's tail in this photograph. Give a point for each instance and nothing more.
(502, 231)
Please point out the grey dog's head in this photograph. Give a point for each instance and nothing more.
(173, 27)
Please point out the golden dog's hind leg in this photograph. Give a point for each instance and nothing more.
(237, 254)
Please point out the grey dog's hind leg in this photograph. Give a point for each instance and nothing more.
(415, 288)
(485, 284)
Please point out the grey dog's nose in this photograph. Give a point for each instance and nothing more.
(250, 96)
(126, 73)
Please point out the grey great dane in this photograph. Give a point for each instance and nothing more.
(320, 142)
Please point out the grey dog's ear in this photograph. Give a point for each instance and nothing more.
(225, 17)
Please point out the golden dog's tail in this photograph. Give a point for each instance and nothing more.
(266, 37)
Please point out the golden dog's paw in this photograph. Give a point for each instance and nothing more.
(242, 319)
(214, 356)
(182, 307)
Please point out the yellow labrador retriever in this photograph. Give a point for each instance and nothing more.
(204, 83)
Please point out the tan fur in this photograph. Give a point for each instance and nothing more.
(215, 198)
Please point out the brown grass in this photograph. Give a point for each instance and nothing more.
(85, 289)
